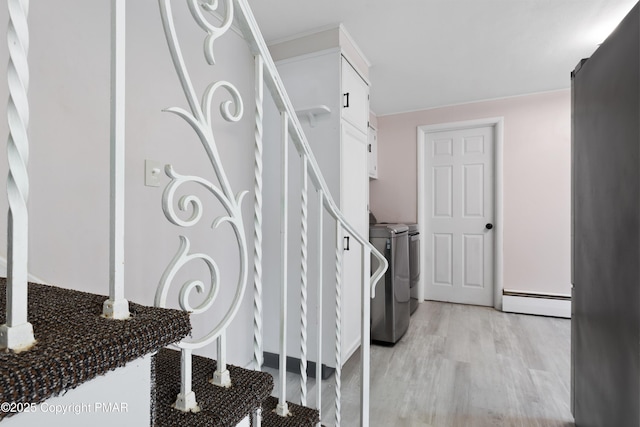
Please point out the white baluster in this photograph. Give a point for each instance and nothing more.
(17, 333)
(365, 348)
(117, 307)
(338, 344)
(221, 376)
(256, 418)
(257, 217)
(186, 400)
(319, 303)
(282, 408)
(303, 283)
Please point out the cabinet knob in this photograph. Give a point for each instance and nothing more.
(346, 95)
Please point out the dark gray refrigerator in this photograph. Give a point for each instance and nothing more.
(606, 232)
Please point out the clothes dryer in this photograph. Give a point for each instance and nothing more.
(390, 309)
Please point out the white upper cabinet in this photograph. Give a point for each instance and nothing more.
(355, 97)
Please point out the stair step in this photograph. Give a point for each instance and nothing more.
(75, 344)
(301, 416)
(219, 407)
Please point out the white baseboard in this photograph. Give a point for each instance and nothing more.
(3, 272)
(537, 304)
(355, 345)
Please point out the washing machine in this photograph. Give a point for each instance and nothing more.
(414, 264)
(390, 309)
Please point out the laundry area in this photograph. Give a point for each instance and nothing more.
(396, 296)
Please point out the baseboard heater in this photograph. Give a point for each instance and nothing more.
(272, 360)
(554, 305)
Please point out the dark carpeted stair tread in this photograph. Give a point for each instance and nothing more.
(75, 344)
(301, 416)
(219, 407)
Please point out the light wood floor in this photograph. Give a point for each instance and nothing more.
(461, 366)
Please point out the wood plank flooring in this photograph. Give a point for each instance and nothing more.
(461, 366)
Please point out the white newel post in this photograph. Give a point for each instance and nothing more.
(117, 307)
(17, 332)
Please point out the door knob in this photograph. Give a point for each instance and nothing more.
(489, 226)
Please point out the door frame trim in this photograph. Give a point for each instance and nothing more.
(498, 248)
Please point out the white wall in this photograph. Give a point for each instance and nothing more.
(69, 163)
(537, 181)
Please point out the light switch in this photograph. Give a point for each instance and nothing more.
(152, 173)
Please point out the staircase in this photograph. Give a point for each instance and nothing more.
(218, 406)
(76, 345)
(56, 339)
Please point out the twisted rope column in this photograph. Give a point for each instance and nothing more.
(17, 333)
(303, 282)
(338, 345)
(257, 216)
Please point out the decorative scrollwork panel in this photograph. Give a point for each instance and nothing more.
(187, 210)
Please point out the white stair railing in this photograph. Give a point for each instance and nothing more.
(311, 170)
(198, 116)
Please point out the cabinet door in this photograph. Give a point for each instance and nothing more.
(373, 153)
(355, 97)
(354, 198)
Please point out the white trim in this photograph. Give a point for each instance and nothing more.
(536, 294)
(323, 52)
(355, 68)
(30, 277)
(477, 101)
(301, 34)
(339, 27)
(498, 251)
(355, 46)
(350, 351)
(537, 305)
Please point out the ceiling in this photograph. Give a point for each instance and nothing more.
(429, 53)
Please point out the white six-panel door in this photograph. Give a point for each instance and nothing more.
(459, 182)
